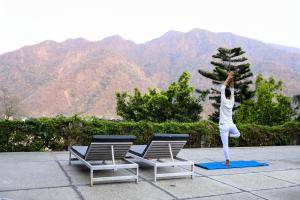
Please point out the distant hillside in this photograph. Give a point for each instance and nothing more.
(79, 76)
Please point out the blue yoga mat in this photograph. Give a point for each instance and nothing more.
(233, 164)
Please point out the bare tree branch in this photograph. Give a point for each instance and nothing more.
(9, 105)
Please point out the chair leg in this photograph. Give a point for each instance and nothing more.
(155, 172)
(92, 177)
(137, 174)
(192, 169)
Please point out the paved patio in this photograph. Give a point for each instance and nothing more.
(47, 176)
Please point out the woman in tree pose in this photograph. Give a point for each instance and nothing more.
(226, 125)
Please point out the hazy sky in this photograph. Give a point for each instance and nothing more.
(27, 22)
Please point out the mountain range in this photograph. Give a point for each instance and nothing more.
(78, 76)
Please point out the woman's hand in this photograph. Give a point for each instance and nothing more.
(229, 78)
(230, 75)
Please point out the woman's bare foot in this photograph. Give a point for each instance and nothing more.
(227, 162)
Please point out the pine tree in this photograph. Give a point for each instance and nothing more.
(224, 61)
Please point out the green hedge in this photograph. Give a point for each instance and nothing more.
(58, 133)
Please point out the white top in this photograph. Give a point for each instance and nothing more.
(226, 106)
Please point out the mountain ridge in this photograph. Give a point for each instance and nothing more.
(82, 76)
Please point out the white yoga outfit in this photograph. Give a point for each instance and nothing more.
(226, 125)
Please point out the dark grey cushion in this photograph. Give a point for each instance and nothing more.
(137, 149)
(80, 150)
(113, 138)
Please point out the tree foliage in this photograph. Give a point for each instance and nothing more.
(176, 103)
(268, 107)
(224, 61)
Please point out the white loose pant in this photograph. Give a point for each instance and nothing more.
(225, 131)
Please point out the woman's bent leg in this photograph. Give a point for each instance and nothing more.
(233, 131)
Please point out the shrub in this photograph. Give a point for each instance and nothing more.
(58, 133)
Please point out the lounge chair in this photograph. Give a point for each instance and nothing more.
(103, 153)
(163, 146)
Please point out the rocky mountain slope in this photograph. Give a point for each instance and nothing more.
(80, 76)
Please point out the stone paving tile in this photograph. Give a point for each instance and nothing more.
(75, 165)
(124, 191)
(290, 193)
(289, 175)
(80, 175)
(277, 165)
(252, 181)
(202, 154)
(197, 187)
(23, 175)
(239, 196)
(25, 157)
(61, 155)
(28, 174)
(63, 193)
(147, 173)
(265, 154)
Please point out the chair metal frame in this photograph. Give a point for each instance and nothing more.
(164, 149)
(95, 161)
